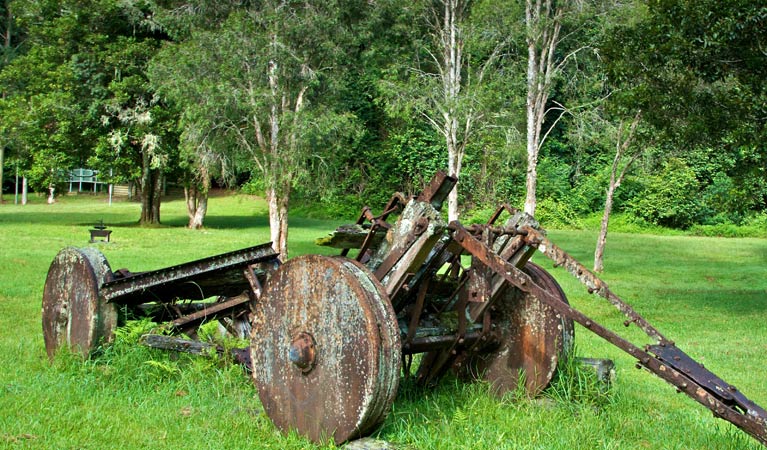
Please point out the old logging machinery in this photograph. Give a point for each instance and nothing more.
(331, 336)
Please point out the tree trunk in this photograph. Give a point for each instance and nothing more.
(151, 191)
(202, 209)
(455, 158)
(452, 55)
(24, 189)
(543, 26)
(197, 201)
(602, 239)
(156, 195)
(278, 221)
(190, 197)
(621, 146)
(531, 178)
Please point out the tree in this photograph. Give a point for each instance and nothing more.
(621, 164)
(40, 123)
(260, 75)
(449, 119)
(138, 145)
(203, 148)
(544, 24)
(444, 83)
(200, 162)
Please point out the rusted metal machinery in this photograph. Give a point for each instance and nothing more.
(84, 301)
(331, 335)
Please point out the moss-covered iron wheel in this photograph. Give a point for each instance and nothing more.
(533, 339)
(73, 315)
(326, 349)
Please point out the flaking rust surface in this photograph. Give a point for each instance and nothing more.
(354, 378)
(534, 337)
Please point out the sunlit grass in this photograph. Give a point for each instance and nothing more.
(709, 295)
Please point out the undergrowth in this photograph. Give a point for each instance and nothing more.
(576, 384)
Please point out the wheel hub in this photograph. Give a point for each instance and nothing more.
(302, 352)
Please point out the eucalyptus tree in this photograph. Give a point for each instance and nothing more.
(444, 79)
(259, 78)
(543, 20)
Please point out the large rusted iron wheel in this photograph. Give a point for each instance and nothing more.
(73, 315)
(326, 349)
(534, 338)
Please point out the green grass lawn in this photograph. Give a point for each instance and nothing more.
(707, 294)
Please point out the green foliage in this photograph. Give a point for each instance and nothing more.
(627, 223)
(670, 197)
(753, 226)
(556, 214)
(73, 73)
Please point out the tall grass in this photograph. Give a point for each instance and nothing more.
(710, 295)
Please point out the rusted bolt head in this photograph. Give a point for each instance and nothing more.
(302, 352)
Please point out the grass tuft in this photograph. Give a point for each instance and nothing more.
(576, 385)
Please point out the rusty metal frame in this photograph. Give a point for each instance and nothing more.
(715, 395)
(132, 290)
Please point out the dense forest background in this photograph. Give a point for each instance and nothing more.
(339, 102)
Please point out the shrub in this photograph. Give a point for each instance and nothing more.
(557, 215)
(671, 197)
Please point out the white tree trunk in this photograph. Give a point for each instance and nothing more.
(602, 238)
(531, 179)
(543, 26)
(278, 222)
(197, 200)
(197, 220)
(24, 190)
(621, 146)
(452, 62)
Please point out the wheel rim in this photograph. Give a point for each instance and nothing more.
(72, 313)
(533, 338)
(326, 349)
